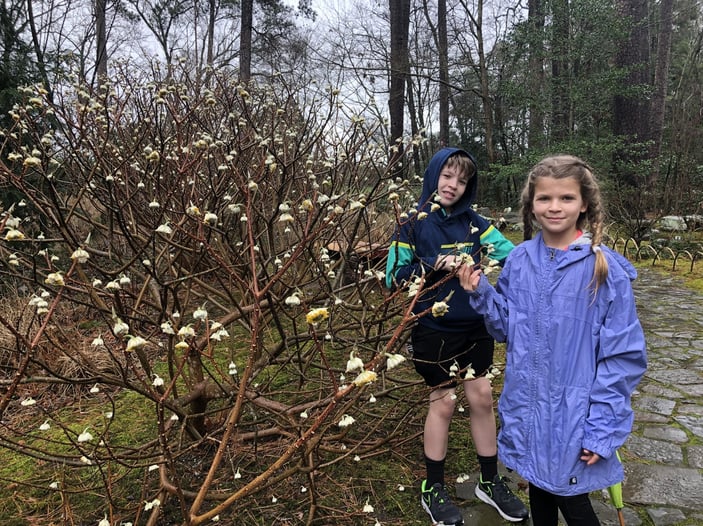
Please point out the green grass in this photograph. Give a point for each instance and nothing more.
(27, 492)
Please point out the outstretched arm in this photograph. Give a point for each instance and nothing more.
(485, 300)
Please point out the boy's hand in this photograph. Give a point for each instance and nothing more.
(469, 277)
(589, 457)
(446, 262)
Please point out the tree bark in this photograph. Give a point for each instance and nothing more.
(439, 34)
(661, 77)
(212, 8)
(245, 41)
(560, 71)
(535, 19)
(400, 24)
(486, 99)
(631, 117)
(630, 112)
(101, 40)
(443, 56)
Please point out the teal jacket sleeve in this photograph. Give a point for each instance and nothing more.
(501, 245)
(402, 264)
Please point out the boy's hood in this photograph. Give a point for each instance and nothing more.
(431, 179)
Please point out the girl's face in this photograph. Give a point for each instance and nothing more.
(556, 205)
(451, 186)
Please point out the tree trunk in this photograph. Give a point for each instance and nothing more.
(535, 20)
(414, 124)
(630, 107)
(101, 40)
(245, 41)
(630, 111)
(212, 8)
(560, 71)
(443, 57)
(439, 34)
(486, 100)
(631, 120)
(41, 63)
(400, 24)
(661, 77)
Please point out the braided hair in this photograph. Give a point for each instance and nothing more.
(560, 167)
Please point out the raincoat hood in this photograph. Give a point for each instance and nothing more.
(584, 242)
(431, 180)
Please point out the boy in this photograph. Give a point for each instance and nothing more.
(453, 346)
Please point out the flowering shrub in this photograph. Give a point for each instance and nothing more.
(210, 235)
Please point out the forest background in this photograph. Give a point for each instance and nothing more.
(196, 197)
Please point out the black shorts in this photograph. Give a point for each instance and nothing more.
(434, 352)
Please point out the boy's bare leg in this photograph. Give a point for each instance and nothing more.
(439, 416)
(479, 396)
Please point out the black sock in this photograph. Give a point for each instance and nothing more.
(489, 467)
(435, 471)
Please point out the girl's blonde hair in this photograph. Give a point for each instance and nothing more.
(560, 167)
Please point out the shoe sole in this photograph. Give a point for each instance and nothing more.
(483, 496)
(435, 523)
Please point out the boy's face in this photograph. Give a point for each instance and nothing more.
(451, 186)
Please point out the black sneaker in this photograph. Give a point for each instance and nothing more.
(497, 494)
(437, 503)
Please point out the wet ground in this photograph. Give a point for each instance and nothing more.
(663, 457)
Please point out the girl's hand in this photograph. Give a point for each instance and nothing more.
(589, 457)
(469, 276)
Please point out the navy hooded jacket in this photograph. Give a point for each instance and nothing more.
(427, 234)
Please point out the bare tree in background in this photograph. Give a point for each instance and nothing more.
(486, 96)
(101, 39)
(535, 20)
(400, 23)
(212, 12)
(631, 107)
(661, 81)
(560, 81)
(163, 18)
(245, 40)
(439, 34)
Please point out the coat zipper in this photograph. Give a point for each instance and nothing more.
(544, 279)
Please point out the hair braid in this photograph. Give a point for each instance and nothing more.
(596, 219)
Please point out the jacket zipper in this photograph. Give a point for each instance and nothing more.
(544, 278)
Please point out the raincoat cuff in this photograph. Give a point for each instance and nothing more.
(598, 447)
(483, 286)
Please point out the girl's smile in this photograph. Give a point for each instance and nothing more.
(557, 205)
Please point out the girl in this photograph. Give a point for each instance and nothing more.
(575, 347)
